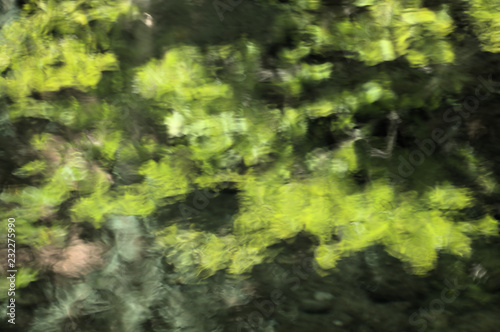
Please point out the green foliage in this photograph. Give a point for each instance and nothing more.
(23, 277)
(276, 118)
(485, 19)
(391, 29)
(412, 228)
(412, 232)
(179, 80)
(53, 47)
(480, 169)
